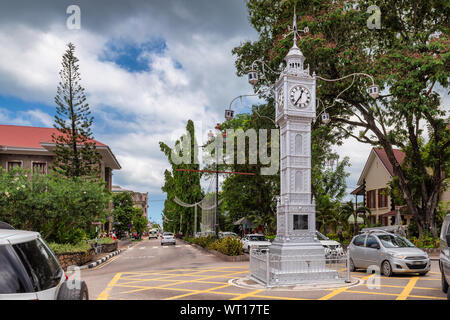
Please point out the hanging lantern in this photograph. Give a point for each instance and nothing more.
(253, 77)
(229, 114)
(326, 118)
(373, 91)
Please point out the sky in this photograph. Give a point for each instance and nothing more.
(147, 67)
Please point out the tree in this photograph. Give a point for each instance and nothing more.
(408, 58)
(75, 153)
(140, 222)
(253, 196)
(184, 185)
(124, 211)
(60, 208)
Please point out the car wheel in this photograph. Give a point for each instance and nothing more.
(77, 291)
(386, 268)
(248, 249)
(352, 266)
(444, 284)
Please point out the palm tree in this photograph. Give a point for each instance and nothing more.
(348, 210)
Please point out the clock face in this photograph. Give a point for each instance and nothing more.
(280, 100)
(300, 96)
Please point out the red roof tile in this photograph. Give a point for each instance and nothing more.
(28, 137)
(399, 155)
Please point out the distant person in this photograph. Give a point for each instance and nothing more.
(341, 237)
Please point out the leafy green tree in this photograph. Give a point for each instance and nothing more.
(253, 196)
(408, 58)
(60, 208)
(75, 153)
(123, 212)
(184, 185)
(140, 222)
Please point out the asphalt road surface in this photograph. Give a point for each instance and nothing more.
(151, 271)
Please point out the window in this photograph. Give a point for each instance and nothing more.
(371, 199)
(40, 264)
(393, 241)
(298, 181)
(298, 144)
(257, 238)
(12, 275)
(14, 164)
(359, 241)
(300, 222)
(382, 198)
(40, 167)
(371, 241)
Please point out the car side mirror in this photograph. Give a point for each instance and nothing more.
(375, 246)
(447, 238)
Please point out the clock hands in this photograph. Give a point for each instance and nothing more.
(301, 94)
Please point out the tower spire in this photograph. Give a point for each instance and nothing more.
(294, 26)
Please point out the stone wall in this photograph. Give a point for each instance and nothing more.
(74, 258)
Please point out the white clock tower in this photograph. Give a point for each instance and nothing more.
(296, 256)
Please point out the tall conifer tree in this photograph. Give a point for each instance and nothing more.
(76, 154)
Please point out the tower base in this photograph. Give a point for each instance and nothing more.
(292, 263)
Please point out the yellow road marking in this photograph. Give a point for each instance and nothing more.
(105, 293)
(165, 287)
(198, 292)
(245, 295)
(427, 297)
(279, 298)
(105, 263)
(409, 287)
(340, 290)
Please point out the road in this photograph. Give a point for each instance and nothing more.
(150, 271)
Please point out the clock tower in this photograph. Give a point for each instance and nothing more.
(296, 256)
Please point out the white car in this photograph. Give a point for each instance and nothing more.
(333, 249)
(168, 238)
(152, 234)
(30, 271)
(228, 234)
(254, 240)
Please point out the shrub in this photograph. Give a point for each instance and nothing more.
(229, 246)
(82, 246)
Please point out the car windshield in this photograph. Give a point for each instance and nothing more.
(393, 241)
(168, 234)
(257, 238)
(321, 236)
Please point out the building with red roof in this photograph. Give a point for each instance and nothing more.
(33, 148)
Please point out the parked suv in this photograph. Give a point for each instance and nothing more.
(30, 271)
(444, 258)
(387, 251)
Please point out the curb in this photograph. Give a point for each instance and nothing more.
(102, 260)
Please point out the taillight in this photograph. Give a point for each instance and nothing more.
(162, 237)
(67, 278)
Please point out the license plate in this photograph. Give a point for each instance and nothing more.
(417, 262)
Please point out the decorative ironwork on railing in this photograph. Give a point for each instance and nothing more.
(272, 270)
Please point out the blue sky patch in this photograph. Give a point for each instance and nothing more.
(132, 56)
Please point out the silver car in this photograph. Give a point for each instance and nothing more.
(387, 252)
(30, 271)
(444, 257)
(167, 238)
